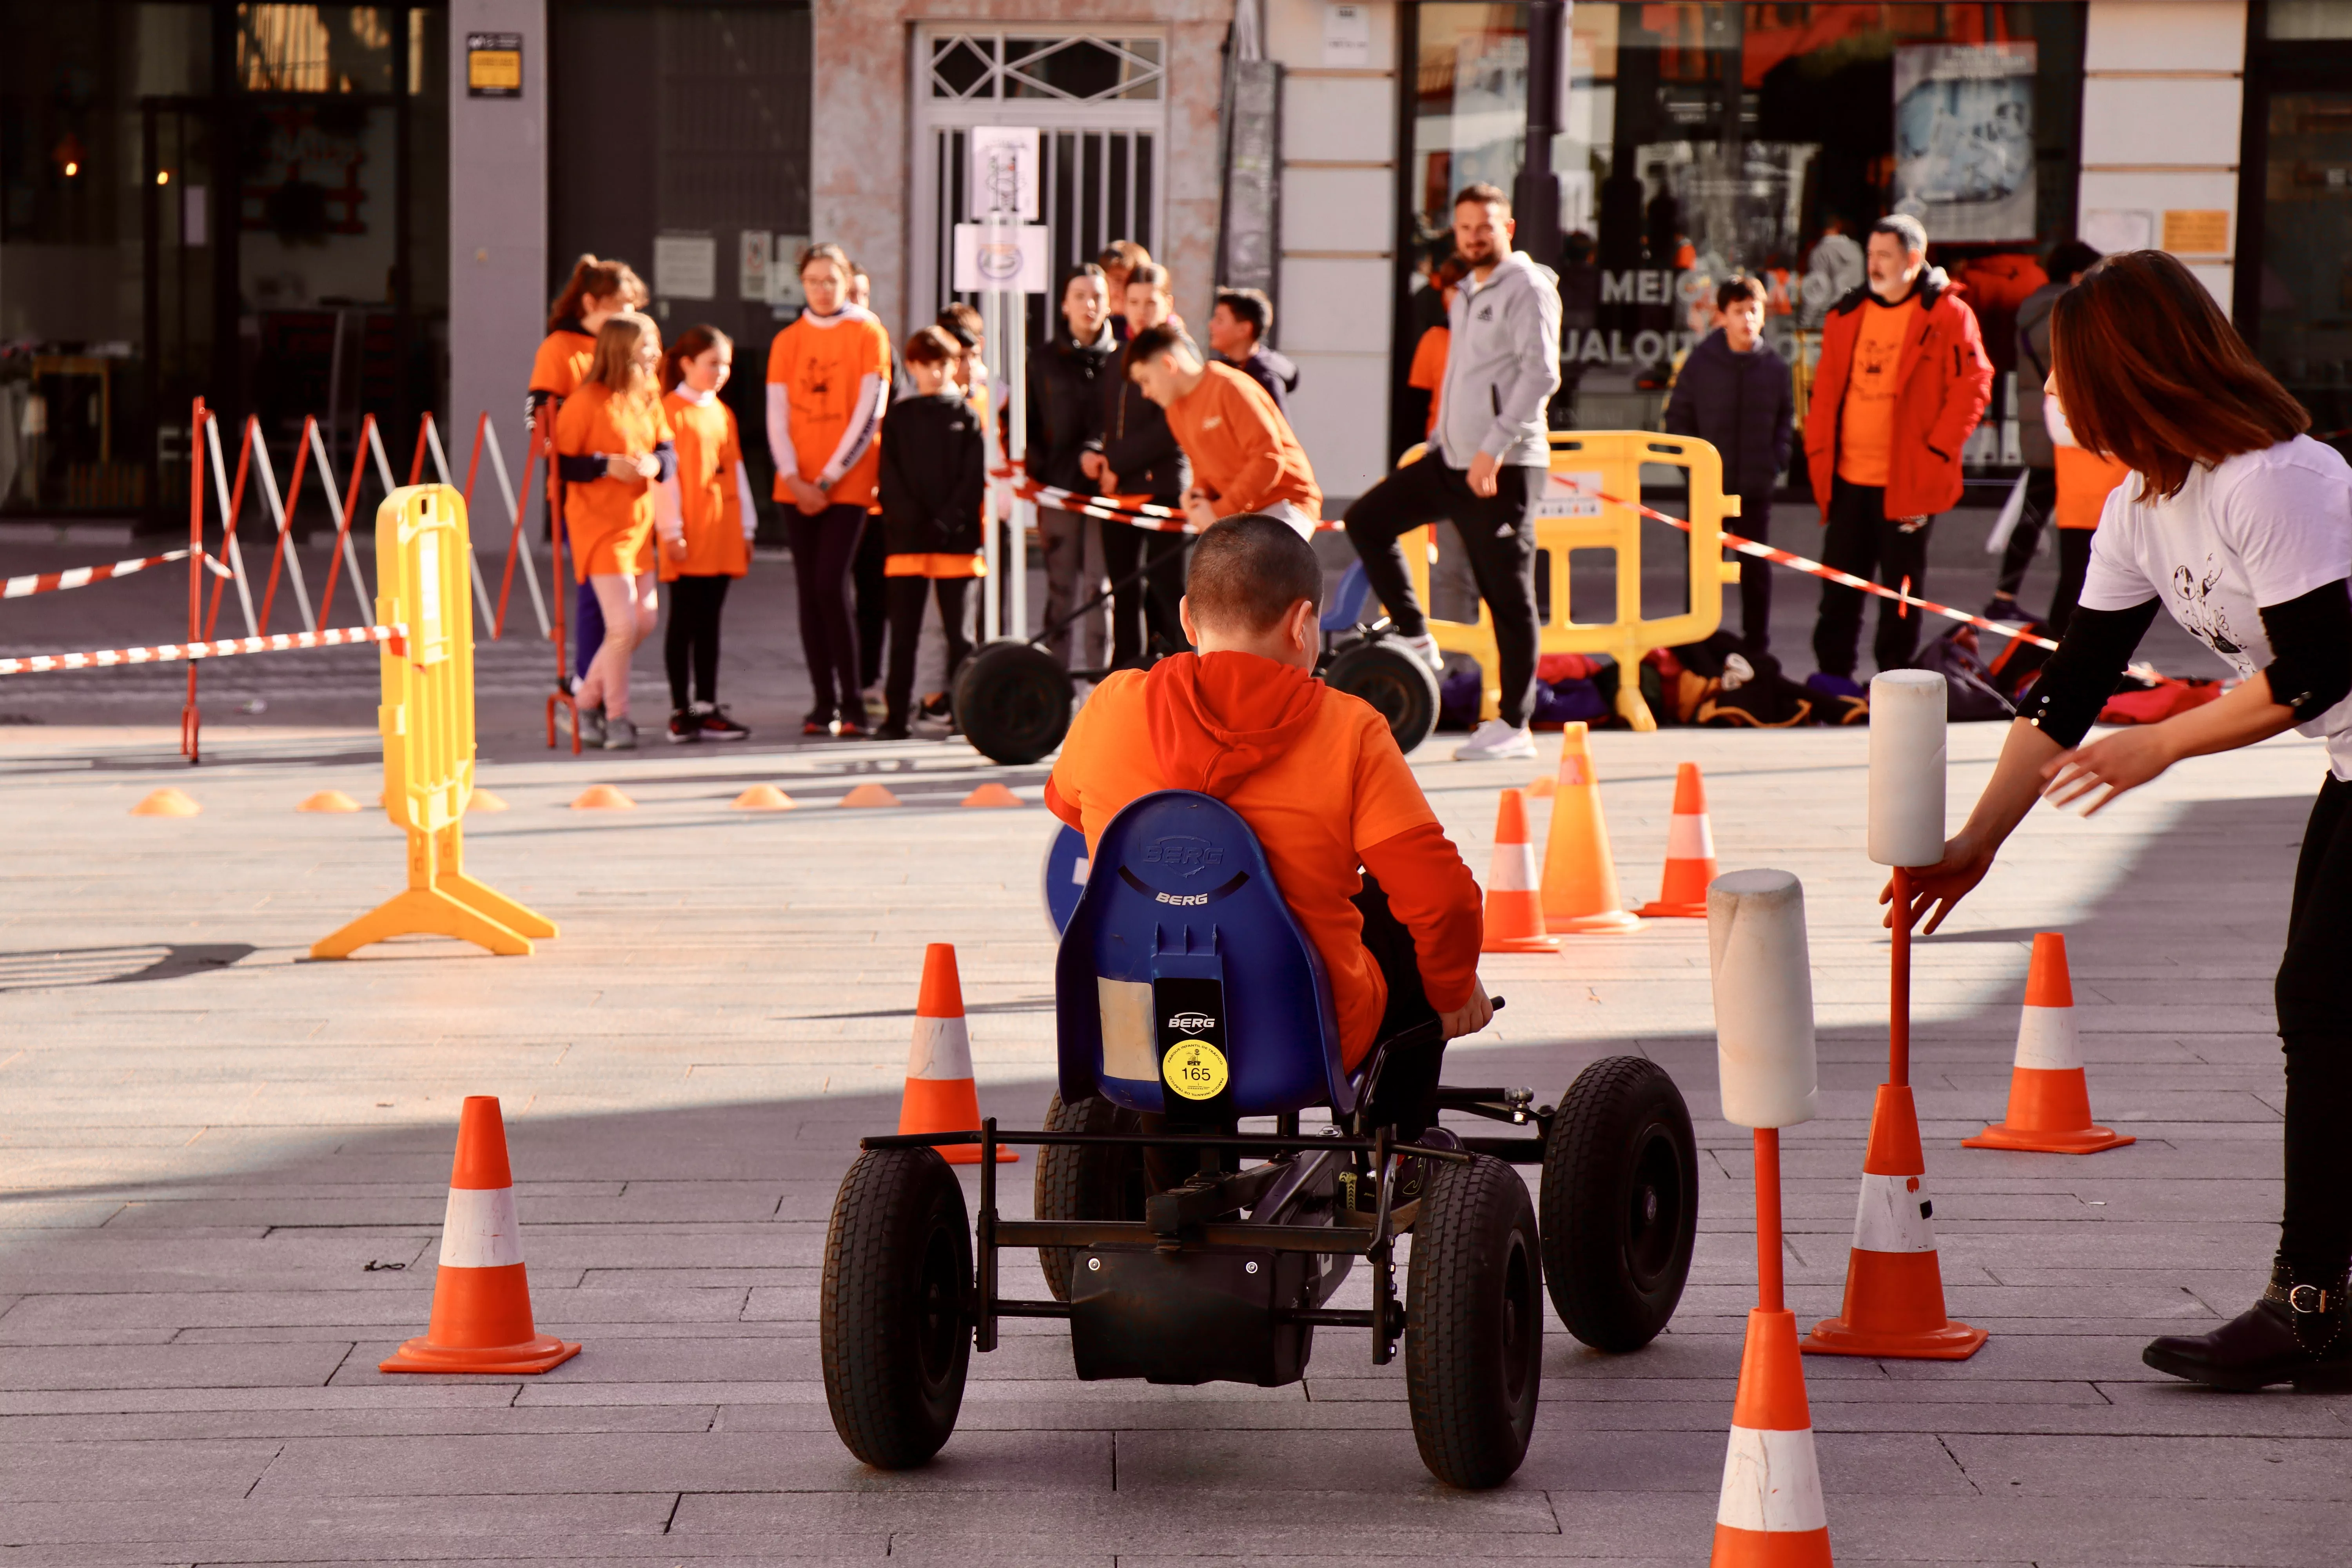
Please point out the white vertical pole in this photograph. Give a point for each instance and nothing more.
(1017, 382)
(228, 528)
(991, 586)
(293, 557)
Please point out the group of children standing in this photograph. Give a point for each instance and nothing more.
(650, 467)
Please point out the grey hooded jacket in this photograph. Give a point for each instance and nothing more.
(1502, 365)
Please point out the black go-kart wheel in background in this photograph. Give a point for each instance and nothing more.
(1398, 684)
(1474, 1325)
(1012, 701)
(895, 1306)
(1620, 1202)
(1086, 1181)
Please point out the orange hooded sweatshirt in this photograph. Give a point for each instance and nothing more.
(1319, 778)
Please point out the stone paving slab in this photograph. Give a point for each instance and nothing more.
(208, 1175)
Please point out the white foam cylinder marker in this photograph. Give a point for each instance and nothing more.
(1763, 999)
(1906, 767)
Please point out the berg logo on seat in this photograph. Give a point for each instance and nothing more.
(1184, 856)
(1191, 1023)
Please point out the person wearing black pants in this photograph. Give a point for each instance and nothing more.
(1734, 393)
(1139, 457)
(867, 574)
(1863, 540)
(2017, 555)
(1498, 535)
(2241, 526)
(690, 643)
(824, 548)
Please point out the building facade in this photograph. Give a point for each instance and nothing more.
(335, 212)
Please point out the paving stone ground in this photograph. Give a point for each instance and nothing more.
(223, 1166)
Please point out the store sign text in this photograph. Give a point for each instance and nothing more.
(1591, 346)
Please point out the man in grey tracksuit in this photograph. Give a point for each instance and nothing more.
(1485, 464)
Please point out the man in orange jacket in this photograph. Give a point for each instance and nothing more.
(1245, 458)
(1902, 382)
(1317, 777)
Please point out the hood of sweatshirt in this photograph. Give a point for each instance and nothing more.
(1216, 719)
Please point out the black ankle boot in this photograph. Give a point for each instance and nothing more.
(2297, 1333)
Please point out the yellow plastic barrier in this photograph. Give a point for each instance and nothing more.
(422, 550)
(1585, 466)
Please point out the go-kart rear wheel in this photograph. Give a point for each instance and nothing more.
(1620, 1202)
(1474, 1328)
(894, 1307)
(1012, 701)
(1082, 1181)
(1400, 686)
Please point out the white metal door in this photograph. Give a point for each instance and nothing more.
(1099, 100)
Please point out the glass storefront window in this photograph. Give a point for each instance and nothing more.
(1700, 140)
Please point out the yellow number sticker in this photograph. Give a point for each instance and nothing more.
(1195, 1068)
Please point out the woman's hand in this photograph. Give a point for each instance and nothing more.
(648, 466)
(2119, 761)
(1967, 858)
(806, 498)
(622, 468)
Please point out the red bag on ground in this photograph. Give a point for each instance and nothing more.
(2158, 702)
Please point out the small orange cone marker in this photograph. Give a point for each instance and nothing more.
(992, 794)
(328, 800)
(1579, 878)
(1771, 1513)
(940, 1094)
(1515, 921)
(764, 797)
(167, 802)
(1690, 852)
(482, 1299)
(1893, 1285)
(870, 795)
(1542, 788)
(483, 800)
(2049, 1098)
(602, 797)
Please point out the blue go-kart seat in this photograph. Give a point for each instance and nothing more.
(1347, 605)
(1184, 986)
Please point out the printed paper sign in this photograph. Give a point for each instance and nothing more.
(1570, 495)
(1005, 170)
(1001, 258)
(685, 266)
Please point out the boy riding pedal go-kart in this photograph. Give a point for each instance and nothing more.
(1275, 922)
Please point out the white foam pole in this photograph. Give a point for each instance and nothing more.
(1763, 981)
(1906, 767)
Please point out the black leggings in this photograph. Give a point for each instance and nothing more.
(691, 637)
(2041, 499)
(1498, 535)
(871, 576)
(2074, 561)
(824, 548)
(1144, 620)
(2315, 1230)
(907, 596)
(1754, 522)
(1864, 542)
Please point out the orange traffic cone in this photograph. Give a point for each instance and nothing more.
(1771, 1513)
(2049, 1098)
(870, 795)
(1690, 851)
(1579, 878)
(940, 1095)
(1894, 1286)
(1515, 921)
(481, 1301)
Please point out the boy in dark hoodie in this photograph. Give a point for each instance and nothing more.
(1735, 393)
(1353, 843)
(934, 470)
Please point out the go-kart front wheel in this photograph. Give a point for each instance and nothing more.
(1620, 1202)
(1012, 701)
(893, 1307)
(1473, 1327)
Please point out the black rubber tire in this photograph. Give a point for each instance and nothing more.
(1474, 1325)
(1078, 1181)
(1012, 701)
(895, 1308)
(1400, 686)
(1620, 1202)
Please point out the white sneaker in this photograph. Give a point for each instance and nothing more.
(1495, 741)
(1423, 648)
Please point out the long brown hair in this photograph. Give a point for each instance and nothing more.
(595, 279)
(2151, 374)
(616, 364)
(692, 344)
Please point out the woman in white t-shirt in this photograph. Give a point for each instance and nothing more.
(2241, 527)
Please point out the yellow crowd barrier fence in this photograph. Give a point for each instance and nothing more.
(422, 553)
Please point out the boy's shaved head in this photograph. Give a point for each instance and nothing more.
(1247, 572)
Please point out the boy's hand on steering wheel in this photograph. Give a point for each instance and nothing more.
(1471, 1017)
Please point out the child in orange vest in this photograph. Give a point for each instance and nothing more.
(712, 544)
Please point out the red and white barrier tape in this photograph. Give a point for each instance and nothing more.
(168, 653)
(25, 587)
(1110, 508)
(1828, 574)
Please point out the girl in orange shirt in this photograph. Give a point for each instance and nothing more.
(619, 463)
(598, 291)
(713, 545)
(828, 377)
